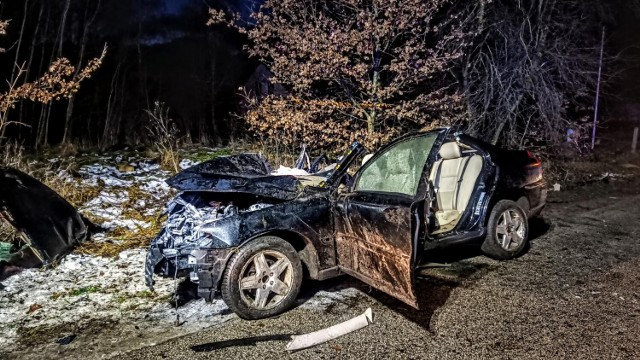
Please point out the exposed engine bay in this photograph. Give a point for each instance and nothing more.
(190, 219)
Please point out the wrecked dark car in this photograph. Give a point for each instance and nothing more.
(238, 230)
(47, 226)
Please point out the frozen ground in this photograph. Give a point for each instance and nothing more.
(102, 302)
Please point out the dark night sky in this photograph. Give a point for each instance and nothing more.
(242, 6)
(174, 6)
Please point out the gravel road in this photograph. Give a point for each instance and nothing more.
(575, 294)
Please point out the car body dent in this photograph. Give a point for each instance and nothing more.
(304, 220)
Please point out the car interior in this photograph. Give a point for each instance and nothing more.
(453, 179)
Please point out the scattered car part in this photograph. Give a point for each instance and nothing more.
(66, 340)
(304, 161)
(50, 226)
(300, 342)
(420, 192)
(335, 177)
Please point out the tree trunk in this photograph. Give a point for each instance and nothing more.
(214, 122)
(31, 55)
(111, 101)
(54, 54)
(63, 25)
(18, 48)
(373, 114)
(68, 123)
(40, 124)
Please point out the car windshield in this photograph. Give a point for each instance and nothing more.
(398, 168)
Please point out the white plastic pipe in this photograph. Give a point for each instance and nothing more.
(300, 342)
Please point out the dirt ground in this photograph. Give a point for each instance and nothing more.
(574, 294)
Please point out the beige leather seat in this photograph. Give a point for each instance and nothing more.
(454, 178)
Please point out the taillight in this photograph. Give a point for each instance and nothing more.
(536, 160)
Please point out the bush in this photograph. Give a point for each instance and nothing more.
(164, 136)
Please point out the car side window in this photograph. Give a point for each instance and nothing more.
(399, 168)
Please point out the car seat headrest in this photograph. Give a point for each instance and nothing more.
(450, 151)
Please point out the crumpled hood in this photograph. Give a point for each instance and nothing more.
(245, 173)
(52, 225)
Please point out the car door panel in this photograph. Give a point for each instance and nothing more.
(374, 242)
(382, 222)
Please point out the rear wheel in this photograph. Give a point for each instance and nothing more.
(263, 279)
(507, 231)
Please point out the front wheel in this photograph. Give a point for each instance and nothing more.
(263, 279)
(507, 231)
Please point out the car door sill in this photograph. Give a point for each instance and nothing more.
(455, 239)
(329, 273)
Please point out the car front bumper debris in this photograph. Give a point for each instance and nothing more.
(203, 267)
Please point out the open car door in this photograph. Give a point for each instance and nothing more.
(382, 222)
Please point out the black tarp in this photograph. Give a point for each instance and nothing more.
(51, 225)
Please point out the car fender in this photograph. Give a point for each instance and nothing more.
(303, 245)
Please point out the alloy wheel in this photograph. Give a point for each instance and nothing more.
(511, 229)
(266, 279)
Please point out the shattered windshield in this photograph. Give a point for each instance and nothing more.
(399, 168)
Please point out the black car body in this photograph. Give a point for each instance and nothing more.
(376, 229)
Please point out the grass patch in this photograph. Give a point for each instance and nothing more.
(203, 155)
(146, 295)
(84, 291)
(76, 292)
(74, 192)
(125, 240)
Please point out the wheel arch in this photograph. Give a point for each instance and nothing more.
(303, 246)
(518, 196)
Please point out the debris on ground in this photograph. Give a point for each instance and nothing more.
(300, 342)
(66, 340)
(48, 227)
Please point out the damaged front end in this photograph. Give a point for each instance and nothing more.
(198, 239)
(230, 200)
(203, 222)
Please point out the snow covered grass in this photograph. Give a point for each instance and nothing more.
(85, 288)
(103, 279)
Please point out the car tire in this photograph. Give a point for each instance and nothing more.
(507, 231)
(262, 279)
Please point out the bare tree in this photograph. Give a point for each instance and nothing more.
(163, 131)
(89, 19)
(531, 71)
(61, 80)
